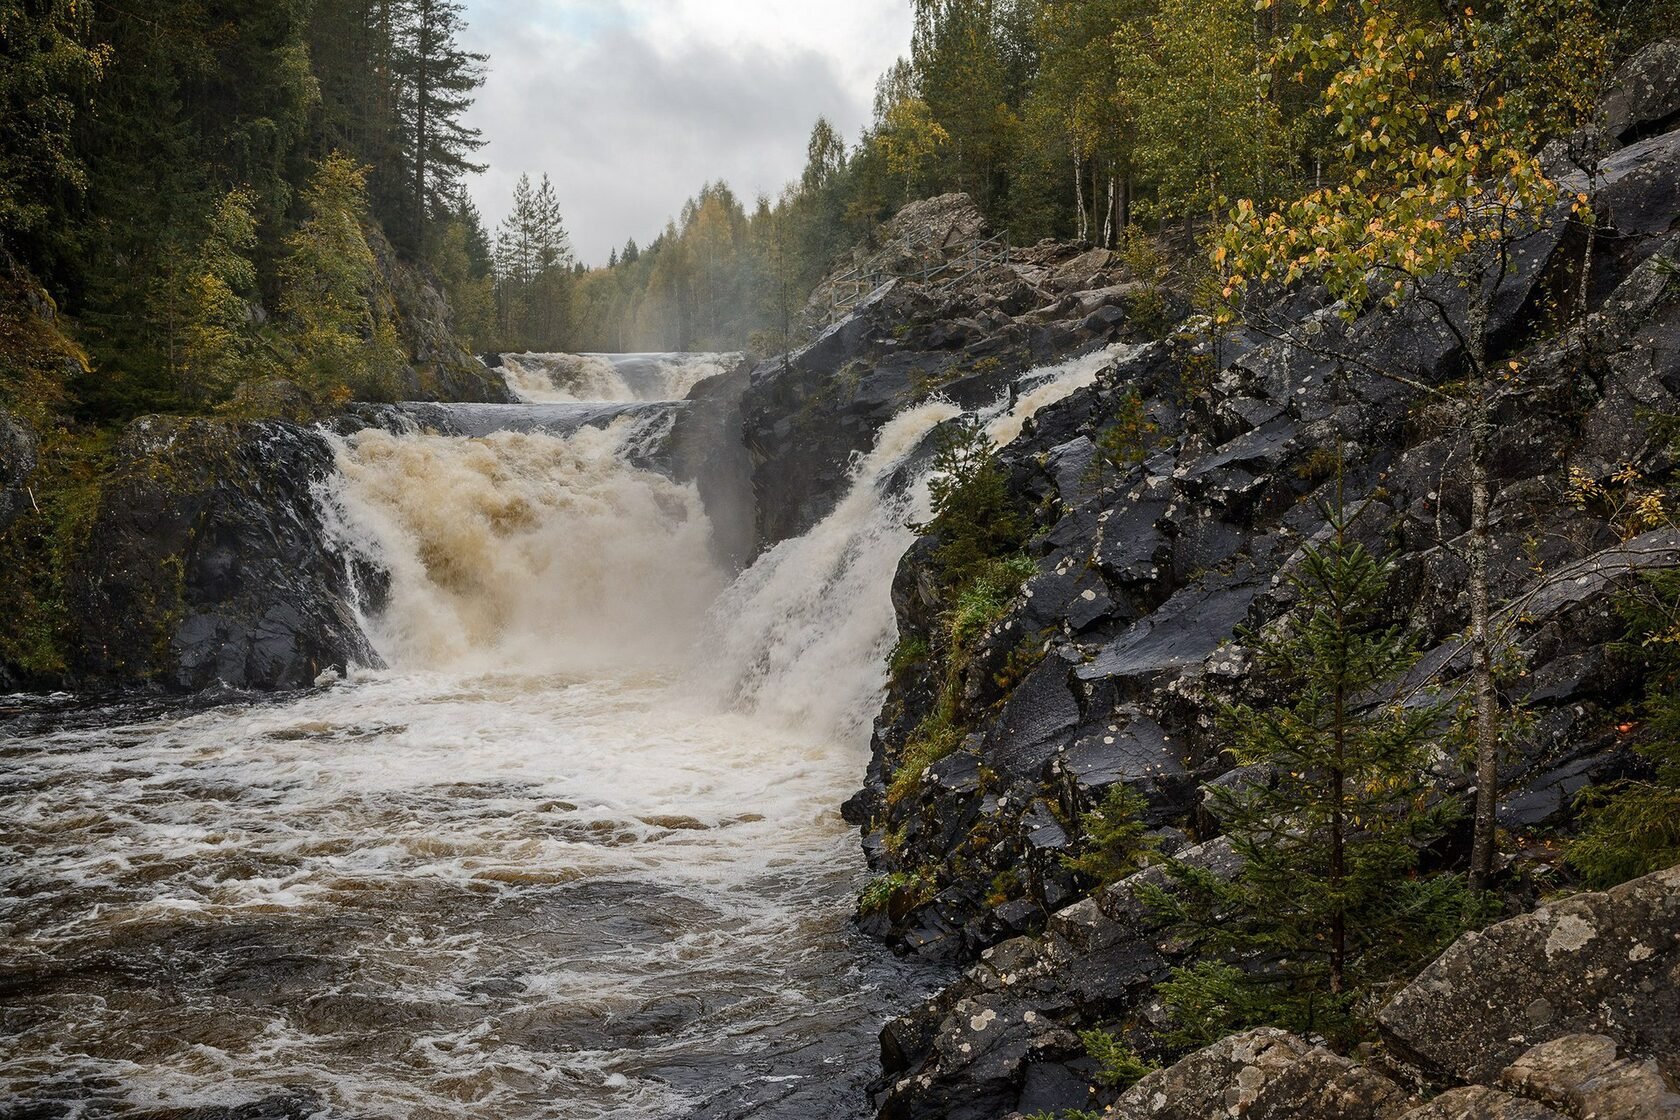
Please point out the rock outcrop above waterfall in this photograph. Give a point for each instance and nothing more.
(1112, 665)
(439, 367)
(207, 562)
(946, 318)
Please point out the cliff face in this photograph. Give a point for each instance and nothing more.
(1112, 663)
(439, 367)
(205, 562)
(937, 314)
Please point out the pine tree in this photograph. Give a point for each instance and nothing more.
(516, 269)
(438, 79)
(1326, 904)
(1633, 828)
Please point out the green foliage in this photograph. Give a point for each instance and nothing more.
(38, 552)
(213, 297)
(47, 66)
(1208, 127)
(902, 889)
(986, 597)
(1633, 828)
(1118, 1065)
(342, 344)
(1320, 913)
(976, 519)
(911, 652)
(980, 530)
(1125, 441)
(936, 737)
(1211, 999)
(1113, 844)
(909, 137)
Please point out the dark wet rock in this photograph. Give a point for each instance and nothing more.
(1646, 98)
(293, 1104)
(989, 1042)
(17, 463)
(1604, 964)
(1184, 631)
(1641, 186)
(706, 449)
(208, 562)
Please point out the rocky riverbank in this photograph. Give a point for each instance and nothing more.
(1111, 665)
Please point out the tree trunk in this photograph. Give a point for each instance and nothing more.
(1079, 193)
(422, 123)
(1108, 211)
(1481, 610)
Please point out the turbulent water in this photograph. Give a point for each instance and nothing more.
(567, 378)
(576, 854)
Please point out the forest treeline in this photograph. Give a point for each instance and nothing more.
(1062, 118)
(213, 190)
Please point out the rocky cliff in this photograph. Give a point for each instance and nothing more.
(439, 367)
(956, 323)
(1110, 666)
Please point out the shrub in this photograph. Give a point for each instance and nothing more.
(1633, 828)
(1114, 845)
(1118, 1066)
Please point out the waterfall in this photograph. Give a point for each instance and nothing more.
(539, 552)
(525, 551)
(578, 843)
(570, 378)
(802, 636)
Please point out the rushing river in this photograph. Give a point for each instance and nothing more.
(577, 854)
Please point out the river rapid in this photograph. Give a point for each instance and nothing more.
(576, 853)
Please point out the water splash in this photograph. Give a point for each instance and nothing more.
(525, 551)
(571, 378)
(803, 636)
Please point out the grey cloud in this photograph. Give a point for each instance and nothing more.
(627, 134)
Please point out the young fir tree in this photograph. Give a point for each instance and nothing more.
(1633, 828)
(218, 340)
(1328, 903)
(343, 346)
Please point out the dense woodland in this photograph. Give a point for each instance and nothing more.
(205, 189)
(174, 179)
(1080, 119)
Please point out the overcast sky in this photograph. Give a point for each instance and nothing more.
(631, 105)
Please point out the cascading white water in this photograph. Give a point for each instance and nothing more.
(570, 378)
(803, 636)
(575, 853)
(525, 551)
